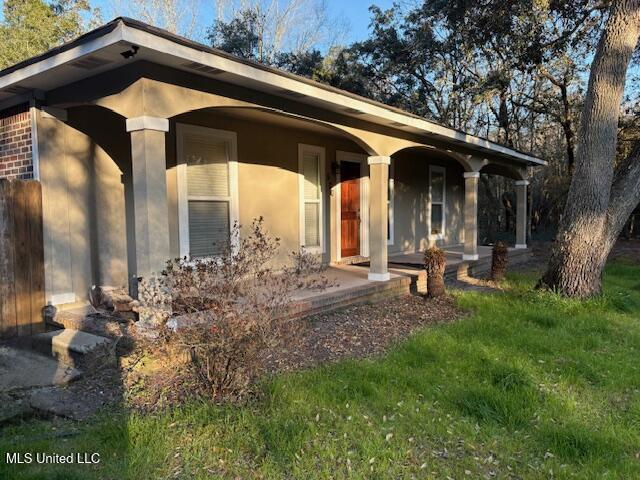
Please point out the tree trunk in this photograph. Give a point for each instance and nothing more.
(598, 204)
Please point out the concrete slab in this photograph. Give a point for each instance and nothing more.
(75, 348)
(60, 402)
(22, 369)
(73, 340)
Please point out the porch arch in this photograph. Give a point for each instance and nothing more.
(336, 128)
(507, 171)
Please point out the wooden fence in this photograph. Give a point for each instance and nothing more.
(22, 296)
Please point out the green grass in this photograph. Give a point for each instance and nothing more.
(529, 385)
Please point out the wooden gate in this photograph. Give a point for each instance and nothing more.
(22, 296)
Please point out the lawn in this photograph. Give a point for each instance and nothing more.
(529, 385)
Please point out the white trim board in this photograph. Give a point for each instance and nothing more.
(35, 150)
(391, 202)
(181, 185)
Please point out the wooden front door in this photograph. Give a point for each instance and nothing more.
(350, 208)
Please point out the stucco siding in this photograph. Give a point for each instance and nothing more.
(84, 205)
(267, 174)
(411, 201)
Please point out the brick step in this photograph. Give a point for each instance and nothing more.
(356, 296)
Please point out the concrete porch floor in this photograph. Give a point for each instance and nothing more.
(454, 256)
(351, 285)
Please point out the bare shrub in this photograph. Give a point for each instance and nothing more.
(227, 313)
(435, 261)
(499, 261)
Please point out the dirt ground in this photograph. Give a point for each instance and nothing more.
(363, 330)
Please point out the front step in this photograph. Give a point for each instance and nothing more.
(87, 319)
(75, 348)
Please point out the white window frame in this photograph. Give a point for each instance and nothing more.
(342, 156)
(436, 168)
(231, 139)
(320, 151)
(391, 203)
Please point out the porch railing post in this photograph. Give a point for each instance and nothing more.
(378, 217)
(521, 213)
(151, 212)
(471, 216)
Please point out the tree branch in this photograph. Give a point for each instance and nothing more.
(625, 191)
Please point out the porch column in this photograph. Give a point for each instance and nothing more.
(521, 213)
(151, 211)
(378, 217)
(471, 216)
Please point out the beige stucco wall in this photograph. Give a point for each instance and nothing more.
(83, 202)
(411, 201)
(267, 174)
(85, 172)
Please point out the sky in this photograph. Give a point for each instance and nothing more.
(355, 14)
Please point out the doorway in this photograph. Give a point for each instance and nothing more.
(350, 215)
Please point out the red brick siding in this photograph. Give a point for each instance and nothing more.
(16, 156)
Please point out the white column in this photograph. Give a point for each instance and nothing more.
(471, 216)
(151, 210)
(378, 217)
(521, 213)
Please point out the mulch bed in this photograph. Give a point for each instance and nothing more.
(362, 331)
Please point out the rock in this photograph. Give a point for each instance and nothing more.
(111, 298)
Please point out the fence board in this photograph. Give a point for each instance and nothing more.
(8, 327)
(21, 263)
(21, 275)
(36, 257)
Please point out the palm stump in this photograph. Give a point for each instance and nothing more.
(435, 262)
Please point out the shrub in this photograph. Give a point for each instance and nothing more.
(435, 261)
(499, 261)
(227, 313)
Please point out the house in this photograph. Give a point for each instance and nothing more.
(150, 146)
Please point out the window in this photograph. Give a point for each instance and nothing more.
(437, 185)
(207, 190)
(311, 178)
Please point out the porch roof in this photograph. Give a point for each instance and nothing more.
(121, 40)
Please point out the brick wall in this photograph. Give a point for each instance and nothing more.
(16, 156)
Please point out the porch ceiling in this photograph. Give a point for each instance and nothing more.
(106, 49)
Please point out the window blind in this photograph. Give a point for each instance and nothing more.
(208, 192)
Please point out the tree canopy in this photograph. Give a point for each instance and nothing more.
(31, 27)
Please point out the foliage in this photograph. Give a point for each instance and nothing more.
(528, 384)
(31, 27)
(262, 30)
(176, 16)
(435, 262)
(227, 313)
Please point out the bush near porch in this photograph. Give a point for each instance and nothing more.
(530, 385)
